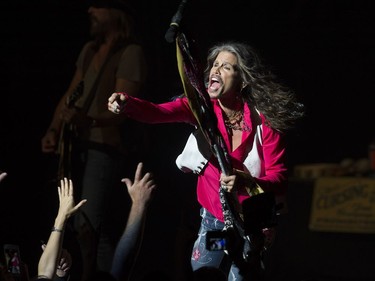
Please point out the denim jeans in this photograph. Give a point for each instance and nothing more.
(202, 257)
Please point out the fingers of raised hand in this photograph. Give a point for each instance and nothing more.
(138, 172)
(66, 187)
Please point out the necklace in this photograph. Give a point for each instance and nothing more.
(235, 121)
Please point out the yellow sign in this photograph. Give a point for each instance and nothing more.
(343, 204)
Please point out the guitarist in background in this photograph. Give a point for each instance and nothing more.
(253, 113)
(112, 61)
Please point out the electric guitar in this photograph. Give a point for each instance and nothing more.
(66, 137)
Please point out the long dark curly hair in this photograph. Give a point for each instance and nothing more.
(275, 101)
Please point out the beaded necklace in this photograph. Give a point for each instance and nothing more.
(235, 121)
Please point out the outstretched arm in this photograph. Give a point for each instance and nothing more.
(127, 249)
(64, 265)
(50, 258)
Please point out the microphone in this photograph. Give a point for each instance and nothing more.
(170, 35)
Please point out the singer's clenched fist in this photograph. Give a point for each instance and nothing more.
(116, 102)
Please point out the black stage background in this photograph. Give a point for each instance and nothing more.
(324, 50)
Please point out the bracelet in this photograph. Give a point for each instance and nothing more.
(56, 229)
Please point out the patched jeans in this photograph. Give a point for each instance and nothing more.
(201, 256)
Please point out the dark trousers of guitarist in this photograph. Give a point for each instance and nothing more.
(95, 226)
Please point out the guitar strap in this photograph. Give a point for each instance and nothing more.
(88, 59)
